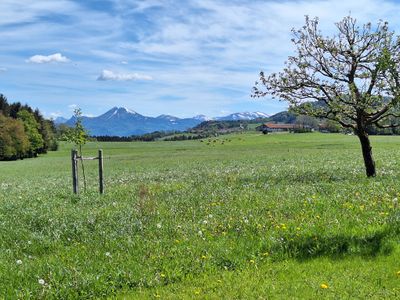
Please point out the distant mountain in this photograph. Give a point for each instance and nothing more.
(202, 118)
(120, 121)
(243, 116)
(60, 120)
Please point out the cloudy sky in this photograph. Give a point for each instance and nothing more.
(156, 57)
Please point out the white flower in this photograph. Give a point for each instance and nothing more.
(19, 262)
(41, 281)
(29, 243)
(158, 225)
(210, 216)
(200, 232)
(205, 222)
(108, 254)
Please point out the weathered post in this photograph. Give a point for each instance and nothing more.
(101, 178)
(74, 161)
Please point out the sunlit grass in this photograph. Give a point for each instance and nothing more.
(178, 215)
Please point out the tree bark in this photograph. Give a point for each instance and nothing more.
(367, 153)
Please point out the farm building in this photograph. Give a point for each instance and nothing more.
(276, 127)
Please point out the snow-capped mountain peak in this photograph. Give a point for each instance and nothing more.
(126, 110)
(118, 111)
(167, 117)
(202, 118)
(243, 116)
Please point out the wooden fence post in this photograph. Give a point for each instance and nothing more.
(101, 177)
(74, 161)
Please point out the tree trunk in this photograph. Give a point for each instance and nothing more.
(367, 153)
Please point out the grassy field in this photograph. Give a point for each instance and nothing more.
(235, 217)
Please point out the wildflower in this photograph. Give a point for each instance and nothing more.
(324, 286)
(205, 222)
(19, 262)
(158, 225)
(252, 261)
(162, 275)
(41, 281)
(108, 254)
(203, 257)
(197, 292)
(200, 233)
(398, 273)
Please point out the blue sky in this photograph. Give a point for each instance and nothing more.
(156, 56)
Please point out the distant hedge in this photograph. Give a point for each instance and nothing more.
(24, 132)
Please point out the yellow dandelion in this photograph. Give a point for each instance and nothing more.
(162, 275)
(324, 286)
(398, 273)
(203, 257)
(252, 261)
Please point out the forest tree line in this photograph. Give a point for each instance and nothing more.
(24, 132)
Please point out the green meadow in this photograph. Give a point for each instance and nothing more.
(247, 216)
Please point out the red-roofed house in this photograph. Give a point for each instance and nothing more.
(276, 127)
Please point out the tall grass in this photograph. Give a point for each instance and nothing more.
(175, 212)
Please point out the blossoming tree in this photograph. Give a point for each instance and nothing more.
(353, 75)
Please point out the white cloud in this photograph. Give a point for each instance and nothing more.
(110, 75)
(206, 51)
(53, 115)
(43, 59)
(72, 106)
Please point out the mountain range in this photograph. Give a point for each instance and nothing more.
(120, 121)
